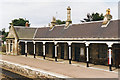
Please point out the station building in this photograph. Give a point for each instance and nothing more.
(91, 42)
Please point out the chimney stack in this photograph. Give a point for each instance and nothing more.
(107, 17)
(27, 24)
(53, 23)
(68, 21)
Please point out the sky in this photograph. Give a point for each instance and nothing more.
(40, 12)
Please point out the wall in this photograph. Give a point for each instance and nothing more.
(29, 71)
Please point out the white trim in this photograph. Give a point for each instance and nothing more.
(109, 44)
(77, 38)
(35, 33)
(105, 25)
(42, 42)
(52, 28)
(70, 42)
(34, 42)
(87, 44)
(55, 43)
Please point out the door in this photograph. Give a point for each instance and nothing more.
(22, 48)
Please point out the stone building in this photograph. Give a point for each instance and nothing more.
(91, 42)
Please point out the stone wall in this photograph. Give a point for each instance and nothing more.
(30, 72)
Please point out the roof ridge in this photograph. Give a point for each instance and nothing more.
(35, 33)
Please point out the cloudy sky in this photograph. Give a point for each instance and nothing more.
(40, 12)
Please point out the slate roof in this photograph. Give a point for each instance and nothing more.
(23, 32)
(85, 30)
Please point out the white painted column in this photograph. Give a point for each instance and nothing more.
(26, 48)
(69, 44)
(55, 50)
(110, 55)
(34, 49)
(87, 53)
(44, 50)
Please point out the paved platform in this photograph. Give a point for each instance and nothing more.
(74, 70)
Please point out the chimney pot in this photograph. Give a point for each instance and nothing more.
(27, 24)
(53, 22)
(107, 18)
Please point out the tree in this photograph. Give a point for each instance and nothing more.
(19, 22)
(93, 17)
(4, 34)
(60, 22)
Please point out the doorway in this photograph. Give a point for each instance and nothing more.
(117, 57)
(62, 51)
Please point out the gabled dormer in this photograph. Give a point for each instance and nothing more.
(12, 33)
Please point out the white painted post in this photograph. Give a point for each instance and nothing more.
(110, 55)
(44, 50)
(109, 50)
(55, 51)
(34, 49)
(26, 48)
(87, 52)
(69, 44)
